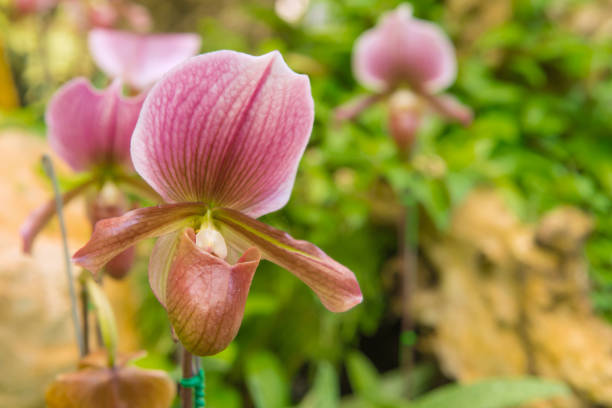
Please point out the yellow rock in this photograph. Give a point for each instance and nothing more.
(512, 299)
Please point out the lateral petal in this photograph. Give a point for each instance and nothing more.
(89, 127)
(41, 216)
(225, 128)
(334, 284)
(205, 296)
(112, 236)
(140, 59)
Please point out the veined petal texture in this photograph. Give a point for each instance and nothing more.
(227, 129)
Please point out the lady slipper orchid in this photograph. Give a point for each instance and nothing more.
(90, 130)
(139, 59)
(220, 138)
(405, 51)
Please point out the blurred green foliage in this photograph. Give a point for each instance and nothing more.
(542, 98)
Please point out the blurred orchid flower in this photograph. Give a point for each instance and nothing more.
(405, 51)
(90, 130)
(87, 14)
(220, 138)
(34, 6)
(139, 59)
(97, 385)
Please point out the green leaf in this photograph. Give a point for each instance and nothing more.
(492, 393)
(267, 381)
(363, 375)
(324, 392)
(106, 318)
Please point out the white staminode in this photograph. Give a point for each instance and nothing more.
(211, 240)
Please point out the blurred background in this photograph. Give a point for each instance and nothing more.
(507, 221)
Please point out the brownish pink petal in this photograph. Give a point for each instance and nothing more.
(334, 284)
(112, 236)
(42, 215)
(205, 296)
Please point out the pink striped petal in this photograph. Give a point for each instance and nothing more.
(402, 48)
(205, 296)
(227, 129)
(334, 284)
(88, 127)
(112, 236)
(140, 59)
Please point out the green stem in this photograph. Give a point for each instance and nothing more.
(408, 241)
(48, 167)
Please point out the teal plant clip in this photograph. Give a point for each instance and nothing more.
(197, 383)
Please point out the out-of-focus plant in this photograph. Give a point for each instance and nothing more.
(92, 130)
(405, 51)
(139, 59)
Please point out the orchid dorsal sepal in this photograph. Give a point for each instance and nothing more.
(104, 314)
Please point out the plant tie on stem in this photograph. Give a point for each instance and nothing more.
(197, 383)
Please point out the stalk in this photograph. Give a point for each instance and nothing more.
(187, 371)
(49, 170)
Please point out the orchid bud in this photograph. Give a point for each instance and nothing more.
(405, 116)
(95, 385)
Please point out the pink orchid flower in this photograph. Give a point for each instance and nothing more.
(220, 138)
(90, 130)
(139, 59)
(34, 6)
(405, 51)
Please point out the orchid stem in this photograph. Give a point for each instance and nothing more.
(85, 318)
(49, 170)
(187, 371)
(408, 241)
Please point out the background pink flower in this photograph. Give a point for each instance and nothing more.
(139, 59)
